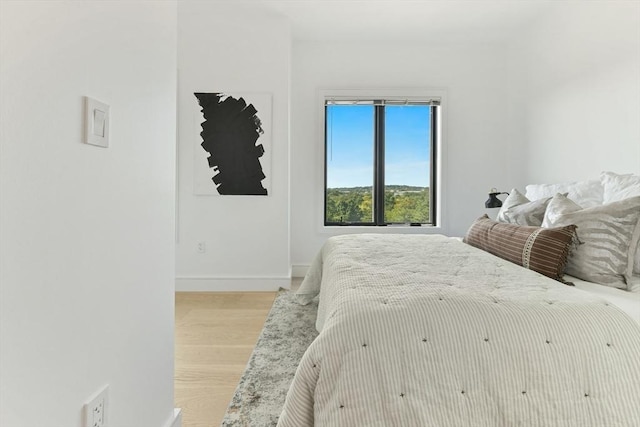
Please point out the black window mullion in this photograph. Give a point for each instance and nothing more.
(433, 147)
(378, 182)
(326, 158)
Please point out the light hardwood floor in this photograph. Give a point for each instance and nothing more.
(215, 334)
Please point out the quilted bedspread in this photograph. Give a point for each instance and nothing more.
(420, 330)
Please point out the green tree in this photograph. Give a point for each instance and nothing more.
(366, 208)
(403, 204)
(343, 206)
(408, 206)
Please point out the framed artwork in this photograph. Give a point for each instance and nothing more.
(233, 148)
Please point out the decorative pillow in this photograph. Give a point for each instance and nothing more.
(607, 238)
(634, 284)
(544, 250)
(619, 187)
(585, 193)
(517, 209)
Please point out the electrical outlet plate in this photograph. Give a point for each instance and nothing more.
(95, 410)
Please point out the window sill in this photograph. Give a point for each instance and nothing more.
(389, 229)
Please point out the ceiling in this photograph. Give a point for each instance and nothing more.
(438, 21)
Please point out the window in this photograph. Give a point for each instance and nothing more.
(380, 161)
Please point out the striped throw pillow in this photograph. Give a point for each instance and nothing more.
(544, 250)
(608, 238)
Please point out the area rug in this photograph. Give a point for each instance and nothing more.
(260, 395)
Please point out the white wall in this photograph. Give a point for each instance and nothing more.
(473, 119)
(224, 47)
(574, 89)
(87, 233)
(566, 85)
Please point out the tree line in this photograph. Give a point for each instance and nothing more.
(402, 204)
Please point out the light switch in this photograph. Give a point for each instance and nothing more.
(99, 118)
(96, 118)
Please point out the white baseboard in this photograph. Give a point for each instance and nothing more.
(226, 284)
(176, 419)
(299, 270)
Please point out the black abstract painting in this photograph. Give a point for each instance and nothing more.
(230, 134)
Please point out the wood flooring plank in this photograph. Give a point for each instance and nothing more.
(196, 355)
(215, 334)
(206, 408)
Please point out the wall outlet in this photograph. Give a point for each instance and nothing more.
(95, 410)
(202, 247)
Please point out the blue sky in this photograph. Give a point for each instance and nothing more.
(350, 145)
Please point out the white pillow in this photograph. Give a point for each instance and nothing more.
(517, 209)
(619, 187)
(607, 238)
(585, 193)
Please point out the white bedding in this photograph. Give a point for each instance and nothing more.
(629, 302)
(428, 331)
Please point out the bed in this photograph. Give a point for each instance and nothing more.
(427, 330)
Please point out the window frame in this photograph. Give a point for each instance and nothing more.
(431, 97)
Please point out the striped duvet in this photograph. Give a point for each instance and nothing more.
(428, 331)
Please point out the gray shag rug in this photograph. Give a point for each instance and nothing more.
(288, 331)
